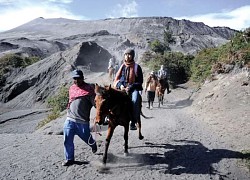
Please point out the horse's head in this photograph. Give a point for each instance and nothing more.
(102, 103)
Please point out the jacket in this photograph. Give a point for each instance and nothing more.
(136, 85)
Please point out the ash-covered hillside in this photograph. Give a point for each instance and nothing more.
(65, 44)
(114, 34)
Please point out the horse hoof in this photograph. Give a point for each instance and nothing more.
(141, 137)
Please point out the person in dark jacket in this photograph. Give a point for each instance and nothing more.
(81, 100)
(130, 78)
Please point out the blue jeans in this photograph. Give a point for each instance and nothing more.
(136, 106)
(71, 129)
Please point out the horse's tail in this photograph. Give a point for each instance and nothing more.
(145, 116)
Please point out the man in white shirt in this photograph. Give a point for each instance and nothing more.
(162, 76)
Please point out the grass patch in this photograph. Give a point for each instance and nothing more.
(53, 115)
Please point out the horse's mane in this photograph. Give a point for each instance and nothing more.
(117, 94)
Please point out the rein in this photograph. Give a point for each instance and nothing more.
(96, 133)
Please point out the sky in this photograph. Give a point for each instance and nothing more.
(230, 13)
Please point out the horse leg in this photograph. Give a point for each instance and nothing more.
(114, 73)
(159, 100)
(139, 118)
(108, 138)
(162, 97)
(126, 129)
(110, 74)
(139, 129)
(158, 96)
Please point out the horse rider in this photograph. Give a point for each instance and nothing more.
(150, 88)
(129, 77)
(112, 65)
(111, 62)
(162, 76)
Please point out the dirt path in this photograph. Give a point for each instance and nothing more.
(176, 146)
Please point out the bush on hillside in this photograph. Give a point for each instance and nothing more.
(237, 51)
(178, 64)
(10, 61)
(59, 102)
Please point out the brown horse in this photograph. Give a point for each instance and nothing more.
(117, 105)
(160, 91)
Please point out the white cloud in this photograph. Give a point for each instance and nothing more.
(61, 1)
(238, 19)
(6, 1)
(125, 10)
(13, 16)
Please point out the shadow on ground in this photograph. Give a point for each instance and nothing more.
(173, 105)
(189, 157)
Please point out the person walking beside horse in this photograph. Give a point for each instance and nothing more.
(81, 100)
(150, 89)
(130, 78)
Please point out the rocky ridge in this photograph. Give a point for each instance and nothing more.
(65, 44)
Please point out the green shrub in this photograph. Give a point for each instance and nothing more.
(15, 61)
(157, 46)
(237, 50)
(202, 64)
(177, 64)
(59, 102)
(10, 61)
(53, 115)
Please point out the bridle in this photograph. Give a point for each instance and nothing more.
(109, 107)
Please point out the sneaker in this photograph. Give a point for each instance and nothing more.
(68, 163)
(94, 149)
(133, 128)
(169, 91)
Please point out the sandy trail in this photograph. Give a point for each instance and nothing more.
(176, 146)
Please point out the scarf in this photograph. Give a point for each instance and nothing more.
(129, 73)
(76, 91)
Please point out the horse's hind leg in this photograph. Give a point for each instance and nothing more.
(108, 138)
(139, 119)
(139, 128)
(126, 129)
(162, 99)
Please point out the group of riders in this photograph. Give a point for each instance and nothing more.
(129, 77)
